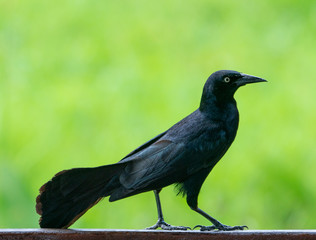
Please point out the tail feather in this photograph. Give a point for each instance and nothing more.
(70, 193)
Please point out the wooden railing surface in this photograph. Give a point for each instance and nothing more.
(98, 234)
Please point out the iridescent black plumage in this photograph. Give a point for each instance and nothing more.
(183, 155)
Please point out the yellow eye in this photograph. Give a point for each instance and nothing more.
(226, 79)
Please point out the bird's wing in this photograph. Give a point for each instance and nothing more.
(150, 164)
(189, 146)
(143, 146)
(165, 161)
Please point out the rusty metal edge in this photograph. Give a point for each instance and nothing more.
(63, 234)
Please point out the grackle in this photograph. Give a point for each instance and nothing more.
(183, 155)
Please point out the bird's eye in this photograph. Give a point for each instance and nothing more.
(226, 79)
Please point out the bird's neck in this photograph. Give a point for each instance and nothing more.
(213, 103)
(225, 112)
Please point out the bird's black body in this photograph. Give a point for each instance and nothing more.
(183, 155)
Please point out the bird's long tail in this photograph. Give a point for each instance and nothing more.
(70, 193)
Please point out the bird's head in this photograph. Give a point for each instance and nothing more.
(222, 85)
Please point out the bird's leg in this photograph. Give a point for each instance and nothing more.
(161, 222)
(216, 224)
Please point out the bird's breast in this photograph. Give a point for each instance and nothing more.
(219, 138)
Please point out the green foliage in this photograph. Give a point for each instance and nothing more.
(82, 83)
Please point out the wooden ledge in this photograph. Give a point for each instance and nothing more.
(76, 234)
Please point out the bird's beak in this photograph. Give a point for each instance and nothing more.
(245, 79)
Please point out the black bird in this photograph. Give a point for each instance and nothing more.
(183, 155)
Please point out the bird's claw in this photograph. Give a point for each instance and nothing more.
(205, 228)
(220, 228)
(165, 226)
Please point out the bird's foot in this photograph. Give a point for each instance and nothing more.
(221, 227)
(165, 226)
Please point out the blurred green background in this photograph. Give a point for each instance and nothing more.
(85, 82)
